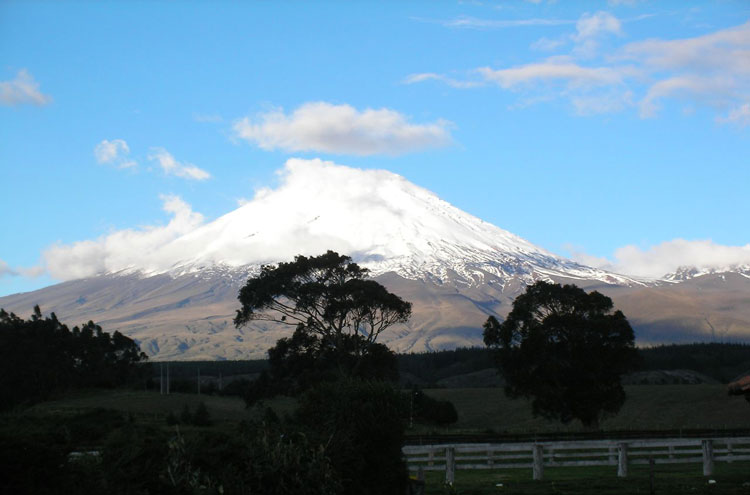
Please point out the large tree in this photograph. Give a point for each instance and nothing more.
(566, 350)
(337, 312)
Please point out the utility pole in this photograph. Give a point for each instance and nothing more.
(199, 381)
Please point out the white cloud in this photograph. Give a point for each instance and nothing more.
(667, 257)
(598, 24)
(572, 74)
(341, 129)
(142, 248)
(114, 152)
(171, 166)
(22, 90)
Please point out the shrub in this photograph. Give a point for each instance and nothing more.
(429, 410)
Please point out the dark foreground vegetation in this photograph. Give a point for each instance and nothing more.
(330, 410)
(131, 430)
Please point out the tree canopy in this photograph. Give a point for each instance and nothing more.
(566, 350)
(337, 313)
(41, 355)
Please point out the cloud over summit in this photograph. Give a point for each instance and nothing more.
(341, 129)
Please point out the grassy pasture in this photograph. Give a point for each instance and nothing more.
(649, 407)
(730, 479)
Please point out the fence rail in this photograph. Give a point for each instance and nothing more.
(538, 455)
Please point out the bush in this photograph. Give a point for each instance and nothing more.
(426, 409)
(201, 416)
(360, 422)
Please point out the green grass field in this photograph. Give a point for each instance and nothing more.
(649, 407)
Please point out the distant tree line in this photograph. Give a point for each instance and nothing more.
(41, 356)
(721, 361)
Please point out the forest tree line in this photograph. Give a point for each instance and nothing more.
(41, 356)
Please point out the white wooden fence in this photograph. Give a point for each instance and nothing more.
(538, 455)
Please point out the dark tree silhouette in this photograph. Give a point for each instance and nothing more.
(41, 355)
(337, 313)
(566, 350)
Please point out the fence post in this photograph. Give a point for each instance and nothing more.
(538, 469)
(490, 462)
(622, 460)
(729, 451)
(450, 465)
(708, 457)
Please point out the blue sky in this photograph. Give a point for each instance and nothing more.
(614, 132)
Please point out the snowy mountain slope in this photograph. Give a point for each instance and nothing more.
(690, 272)
(379, 218)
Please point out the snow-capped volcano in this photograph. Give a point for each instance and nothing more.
(174, 288)
(379, 218)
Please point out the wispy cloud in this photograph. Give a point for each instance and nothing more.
(6, 270)
(341, 129)
(712, 70)
(171, 166)
(739, 115)
(114, 152)
(22, 90)
(544, 44)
